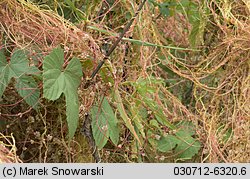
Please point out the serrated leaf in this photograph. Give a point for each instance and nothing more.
(167, 143)
(187, 146)
(18, 66)
(27, 88)
(186, 126)
(104, 124)
(57, 80)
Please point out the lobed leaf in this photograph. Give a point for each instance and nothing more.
(17, 68)
(27, 88)
(167, 143)
(57, 80)
(187, 146)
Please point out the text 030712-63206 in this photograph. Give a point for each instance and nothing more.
(210, 171)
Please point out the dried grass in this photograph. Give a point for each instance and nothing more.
(220, 76)
(29, 27)
(6, 155)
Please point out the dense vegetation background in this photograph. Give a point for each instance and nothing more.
(176, 89)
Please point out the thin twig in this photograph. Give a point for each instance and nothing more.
(87, 132)
(126, 28)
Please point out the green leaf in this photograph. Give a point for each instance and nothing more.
(187, 126)
(153, 2)
(187, 146)
(72, 7)
(147, 87)
(104, 124)
(151, 138)
(112, 121)
(18, 66)
(143, 112)
(227, 135)
(184, 145)
(33, 70)
(154, 123)
(27, 88)
(138, 119)
(124, 116)
(194, 35)
(159, 115)
(99, 126)
(57, 80)
(72, 112)
(164, 9)
(197, 16)
(167, 143)
(4, 75)
(3, 61)
(139, 42)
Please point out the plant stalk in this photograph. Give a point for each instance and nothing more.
(112, 48)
